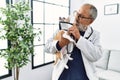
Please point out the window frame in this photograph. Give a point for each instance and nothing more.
(44, 24)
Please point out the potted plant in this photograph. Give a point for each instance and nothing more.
(19, 33)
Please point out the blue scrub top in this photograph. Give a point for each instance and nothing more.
(76, 69)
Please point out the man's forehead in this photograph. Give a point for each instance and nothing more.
(84, 8)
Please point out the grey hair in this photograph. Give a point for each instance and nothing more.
(93, 11)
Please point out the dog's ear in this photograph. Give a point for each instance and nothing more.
(67, 19)
(63, 19)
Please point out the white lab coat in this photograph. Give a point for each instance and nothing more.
(90, 49)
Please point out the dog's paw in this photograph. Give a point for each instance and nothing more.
(66, 67)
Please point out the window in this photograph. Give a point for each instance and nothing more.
(45, 16)
(4, 72)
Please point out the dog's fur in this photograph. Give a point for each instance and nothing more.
(57, 37)
(60, 54)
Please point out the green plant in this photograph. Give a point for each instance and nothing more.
(19, 33)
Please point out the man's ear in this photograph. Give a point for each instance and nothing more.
(91, 21)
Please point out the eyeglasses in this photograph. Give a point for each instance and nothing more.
(81, 16)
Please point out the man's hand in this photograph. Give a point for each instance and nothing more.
(74, 32)
(62, 41)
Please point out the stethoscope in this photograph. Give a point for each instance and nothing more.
(90, 33)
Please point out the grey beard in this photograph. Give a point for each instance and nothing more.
(82, 27)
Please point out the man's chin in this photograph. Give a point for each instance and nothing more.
(82, 28)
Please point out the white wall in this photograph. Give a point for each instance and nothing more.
(108, 25)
